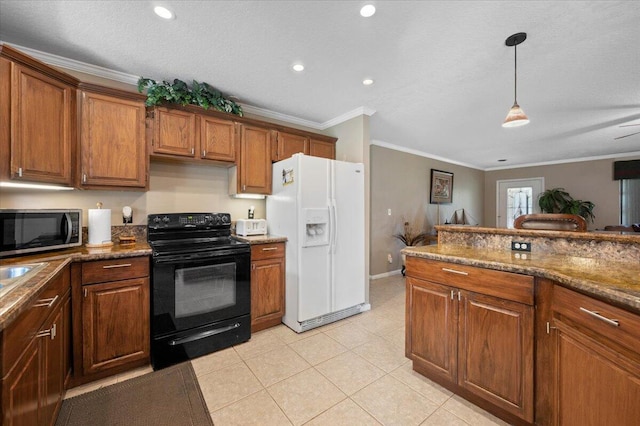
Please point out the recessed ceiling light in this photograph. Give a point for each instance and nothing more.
(163, 12)
(367, 82)
(298, 67)
(368, 10)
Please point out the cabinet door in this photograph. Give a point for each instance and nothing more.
(42, 113)
(52, 340)
(593, 385)
(496, 352)
(432, 328)
(174, 132)
(267, 293)
(21, 389)
(217, 139)
(289, 144)
(323, 149)
(113, 149)
(254, 167)
(115, 324)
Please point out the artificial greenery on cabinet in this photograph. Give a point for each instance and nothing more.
(178, 92)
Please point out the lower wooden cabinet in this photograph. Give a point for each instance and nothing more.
(34, 358)
(267, 285)
(479, 345)
(596, 358)
(111, 317)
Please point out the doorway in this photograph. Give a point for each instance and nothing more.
(516, 197)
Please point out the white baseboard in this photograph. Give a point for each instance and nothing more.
(384, 275)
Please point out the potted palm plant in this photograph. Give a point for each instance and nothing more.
(410, 238)
(557, 200)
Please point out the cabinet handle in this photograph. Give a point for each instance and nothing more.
(270, 248)
(51, 332)
(458, 296)
(244, 188)
(204, 152)
(121, 265)
(193, 151)
(19, 171)
(86, 292)
(253, 266)
(84, 178)
(597, 315)
(451, 294)
(453, 271)
(46, 302)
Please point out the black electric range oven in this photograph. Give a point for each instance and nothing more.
(200, 285)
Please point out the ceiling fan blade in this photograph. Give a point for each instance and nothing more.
(629, 125)
(626, 136)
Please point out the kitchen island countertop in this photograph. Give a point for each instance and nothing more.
(615, 282)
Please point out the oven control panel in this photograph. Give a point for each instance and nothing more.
(189, 220)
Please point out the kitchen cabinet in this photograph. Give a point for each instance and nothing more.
(39, 112)
(267, 285)
(322, 148)
(113, 150)
(252, 173)
(185, 134)
(34, 363)
(286, 144)
(595, 350)
(111, 317)
(472, 330)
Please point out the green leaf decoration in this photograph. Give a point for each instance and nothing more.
(178, 92)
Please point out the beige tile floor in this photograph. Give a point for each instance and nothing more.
(352, 372)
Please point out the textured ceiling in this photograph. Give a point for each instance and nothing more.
(443, 76)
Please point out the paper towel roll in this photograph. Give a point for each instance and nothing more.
(99, 226)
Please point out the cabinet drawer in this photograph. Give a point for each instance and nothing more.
(20, 332)
(598, 317)
(506, 285)
(267, 251)
(115, 269)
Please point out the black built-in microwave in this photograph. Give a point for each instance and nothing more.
(29, 231)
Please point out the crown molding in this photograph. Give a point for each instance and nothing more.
(421, 153)
(73, 65)
(570, 160)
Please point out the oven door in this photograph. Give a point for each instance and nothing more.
(189, 293)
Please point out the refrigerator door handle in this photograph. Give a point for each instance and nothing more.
(332, 226)
(335, 225)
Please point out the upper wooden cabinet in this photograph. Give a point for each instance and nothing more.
(38, 119)
(184, 134)
(326, 149)
(286, 144)
(112, 141)
(252, 174)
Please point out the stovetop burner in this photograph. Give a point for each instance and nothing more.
(191, 233)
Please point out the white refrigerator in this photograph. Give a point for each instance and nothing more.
(318, 204)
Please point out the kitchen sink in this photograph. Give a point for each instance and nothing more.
(15, 274)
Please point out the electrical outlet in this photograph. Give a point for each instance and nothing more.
(126, 219)
(521, 246)
(389, 258)
(388, 212)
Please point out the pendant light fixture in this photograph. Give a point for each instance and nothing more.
(516, 116)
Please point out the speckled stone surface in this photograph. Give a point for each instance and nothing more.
(260, 239)
(617, 282)
(613, 246)
(18, 298)
(138, 231)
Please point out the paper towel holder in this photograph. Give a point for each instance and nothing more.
(99, 245)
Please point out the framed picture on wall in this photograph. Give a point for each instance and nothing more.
(441, 187)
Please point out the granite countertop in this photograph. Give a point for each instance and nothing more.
(260, 239)
(17, 299)
(613, 282)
